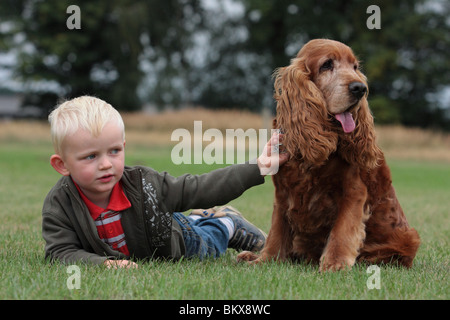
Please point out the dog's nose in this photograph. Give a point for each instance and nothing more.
(357, 89)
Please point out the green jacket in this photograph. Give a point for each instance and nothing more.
(150, 230)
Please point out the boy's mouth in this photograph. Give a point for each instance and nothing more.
(106, 178)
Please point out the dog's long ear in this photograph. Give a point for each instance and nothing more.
(360, 147)
(302, 115)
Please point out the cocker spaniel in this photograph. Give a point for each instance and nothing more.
(334, 199)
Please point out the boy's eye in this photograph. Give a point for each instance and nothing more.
(90, 157)
(115, 151)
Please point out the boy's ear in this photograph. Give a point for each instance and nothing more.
(58, 164)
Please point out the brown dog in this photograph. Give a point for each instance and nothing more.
(334, 199)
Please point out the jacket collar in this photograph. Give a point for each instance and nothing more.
(117, 201)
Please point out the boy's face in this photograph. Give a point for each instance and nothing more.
(96, 164)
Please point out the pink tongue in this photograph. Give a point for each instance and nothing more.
(346, 120)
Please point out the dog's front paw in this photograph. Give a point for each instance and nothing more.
(335, 264)
(247, 256)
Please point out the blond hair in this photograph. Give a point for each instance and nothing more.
(88, 113)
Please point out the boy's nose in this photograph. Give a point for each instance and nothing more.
(105, 163)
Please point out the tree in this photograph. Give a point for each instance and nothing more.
(170, 27)
(222, 53)
(99, 59)
(406, 61)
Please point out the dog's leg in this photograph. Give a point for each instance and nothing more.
(278, 243)
(348, 233)
(389, 237)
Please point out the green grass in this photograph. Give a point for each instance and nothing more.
(423, 189)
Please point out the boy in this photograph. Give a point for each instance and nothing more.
(103, 212)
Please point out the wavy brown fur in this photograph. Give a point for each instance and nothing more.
(334, 199)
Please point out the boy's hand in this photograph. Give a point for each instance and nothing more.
(270, 160)
(115, 264)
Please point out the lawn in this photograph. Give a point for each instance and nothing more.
(423, 188)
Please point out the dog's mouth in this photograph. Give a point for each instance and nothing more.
(346, 118)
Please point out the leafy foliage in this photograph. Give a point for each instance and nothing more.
(221, 54)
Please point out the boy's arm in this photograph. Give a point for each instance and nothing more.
(62, 242)
(220, 186)
(217, 187)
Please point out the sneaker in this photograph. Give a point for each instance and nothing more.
(246, 236)
(208, 213)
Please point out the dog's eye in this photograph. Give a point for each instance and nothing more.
(355, 67)
(328, 65)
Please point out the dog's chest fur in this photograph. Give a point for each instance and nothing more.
(311, 198)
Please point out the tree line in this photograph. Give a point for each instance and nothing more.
(221, 53)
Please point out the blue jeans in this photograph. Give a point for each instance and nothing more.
(204, 237)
